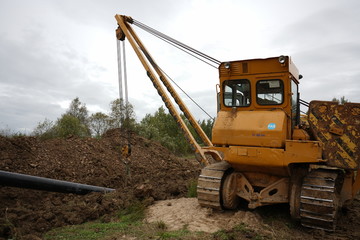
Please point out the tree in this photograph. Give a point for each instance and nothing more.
(162, 127)
(342, 100)
(74, 122)
(207, 126)
(99, 123)
(70, 125)
(44, 129)
(122, 115)
(78, 110)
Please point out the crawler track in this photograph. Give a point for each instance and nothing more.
(319, 199)
(209, 185)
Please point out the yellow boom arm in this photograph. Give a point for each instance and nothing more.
(125, 30)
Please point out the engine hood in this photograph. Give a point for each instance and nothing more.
(250, 128)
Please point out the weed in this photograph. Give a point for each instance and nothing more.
(192, 189)
(161, 225)
(258, 237)
(133, 213)
(89, 231)
(240, 231)
(130, 217)
(174, 234)
(241, 228)
(223, 235)
(7, 228)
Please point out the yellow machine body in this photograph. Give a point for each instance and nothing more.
(254, 128)
(262, 150)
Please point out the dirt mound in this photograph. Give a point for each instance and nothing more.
(152, 173)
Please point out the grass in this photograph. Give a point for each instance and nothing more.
(240, 231)
(128, 218)
(183, 234)
(7, 228)
(129, 224)
(105, 231)
(192, 189)
(88, 231)
(161, 225)
(134, 213)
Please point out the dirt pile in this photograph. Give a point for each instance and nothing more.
(152, 173)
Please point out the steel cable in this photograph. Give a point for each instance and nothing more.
(175, 42)
(185, 48)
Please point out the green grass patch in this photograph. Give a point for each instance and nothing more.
(90, 231)
(242, 227)
(192, 189)
(129, 218)
(174, 234)
(133, 213)
(240, 231)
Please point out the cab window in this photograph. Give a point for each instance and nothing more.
(294, 103)
(236, 93)
(270, 92)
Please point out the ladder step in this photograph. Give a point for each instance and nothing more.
(208, 188)
(317, 218)
(317, 199)
(318, 186)
(317, 227)
(306, 211)
(321, 189)
(209, 177)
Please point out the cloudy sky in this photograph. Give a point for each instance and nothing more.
(52, 51)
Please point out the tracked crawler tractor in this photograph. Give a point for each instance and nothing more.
(261, 151)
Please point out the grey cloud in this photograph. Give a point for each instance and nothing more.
(33, 78)
(38, 68)
(326, 48)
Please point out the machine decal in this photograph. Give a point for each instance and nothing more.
(271, 126)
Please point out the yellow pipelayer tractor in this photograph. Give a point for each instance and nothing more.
(260, 152)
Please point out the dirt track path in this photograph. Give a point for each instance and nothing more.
(273, 222)
(186, 213)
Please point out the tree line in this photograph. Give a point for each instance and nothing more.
(159, 126)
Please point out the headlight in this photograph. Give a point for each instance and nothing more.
(282, 59)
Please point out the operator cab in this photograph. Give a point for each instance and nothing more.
(258, 101)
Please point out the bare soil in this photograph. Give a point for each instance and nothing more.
(186, 213)
(152, 174)
(270, 222)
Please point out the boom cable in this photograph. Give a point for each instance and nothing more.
(119, 68)
(126, 149)
(305, 103)
(187, 94)
(186, 51)
(177, 43)
(125, 76)
(185, 48)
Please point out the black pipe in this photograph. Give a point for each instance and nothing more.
(47, 184)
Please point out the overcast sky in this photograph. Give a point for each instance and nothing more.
(52, 51)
